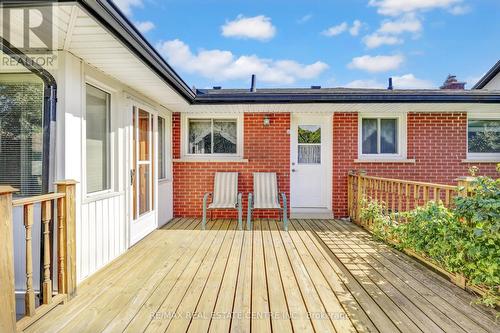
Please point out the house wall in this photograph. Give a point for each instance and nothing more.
(436, 141)
(266, 149)
(494, 84)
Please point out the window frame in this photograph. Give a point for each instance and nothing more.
(401, 137)
(110, 156)
(487, 157)
(212, 116)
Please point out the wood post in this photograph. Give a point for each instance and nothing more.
(465, 185)
(47, 281)
(29, 297)
(7, 287)
(359, 197)
(67, 279)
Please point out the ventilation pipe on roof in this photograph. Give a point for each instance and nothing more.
(252, 86)
(390, 87)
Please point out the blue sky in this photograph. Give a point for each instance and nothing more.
(353, 43)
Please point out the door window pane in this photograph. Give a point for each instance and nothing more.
(97, 139)
(309, 154)
(144, 139)
(369, 136)
(21, 132)
(200, 136)
(161, 148)
(484, 136)
(144, 189)
(309, 134)
(224, 136)
(388, 136)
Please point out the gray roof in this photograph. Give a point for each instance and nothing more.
(343, 95)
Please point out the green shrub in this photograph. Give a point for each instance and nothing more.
(464, 239)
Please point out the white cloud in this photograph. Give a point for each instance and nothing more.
(144, 26)
(257, 27)
(375, 40)
(221, 65)
(408, 23)
(304, 19)
(356, 26)
(406, 81)
(126, 5)
(343, 27)
(409, 81)
(365, 84)
(398, 7)
(380, 63)
(336, 29)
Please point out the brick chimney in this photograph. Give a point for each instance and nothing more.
(451, 83)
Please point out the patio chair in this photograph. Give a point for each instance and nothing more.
(266, 196)
(225, 196)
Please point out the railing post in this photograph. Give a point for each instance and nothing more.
(464, 183)
(67, 278)
(7, 287)
(359, 197)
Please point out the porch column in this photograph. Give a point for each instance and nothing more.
(7, 287)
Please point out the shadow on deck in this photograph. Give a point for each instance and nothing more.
(323, 276)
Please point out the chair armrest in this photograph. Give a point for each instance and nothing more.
(205, 197)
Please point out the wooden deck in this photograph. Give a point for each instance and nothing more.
(321, 276)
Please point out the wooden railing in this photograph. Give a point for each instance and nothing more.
(396, 195)
(57, 209)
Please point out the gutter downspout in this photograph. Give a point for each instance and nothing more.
(49, 108)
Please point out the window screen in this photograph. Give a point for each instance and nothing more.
(484, 136)
(21, 132)
(97, 140)
(379, 136)
(212, 136)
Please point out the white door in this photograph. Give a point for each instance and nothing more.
(310, 177)
(142, 175)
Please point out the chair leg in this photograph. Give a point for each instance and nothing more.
(240, 212)
(249, 213)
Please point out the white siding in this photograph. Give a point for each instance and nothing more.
(101, 237)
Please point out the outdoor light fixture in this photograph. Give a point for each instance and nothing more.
(267, 121)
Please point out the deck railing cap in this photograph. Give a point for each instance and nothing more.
(465, 178)
(66, 182)
(6, 189)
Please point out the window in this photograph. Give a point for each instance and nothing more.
(379, 136)
(212, 136)
(97, 139)
(161, 148)
(21, 132)
(309, 144)
(483, 137)
(382, 137)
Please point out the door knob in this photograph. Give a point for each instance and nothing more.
(293, 170)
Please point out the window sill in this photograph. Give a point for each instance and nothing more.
(384, 160)
(210, 160)
(478, 160)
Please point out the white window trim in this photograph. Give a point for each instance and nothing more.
(480, 157)
(402, 138)
(211, 157)
(110, 191)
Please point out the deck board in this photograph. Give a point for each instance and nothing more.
(322, 275)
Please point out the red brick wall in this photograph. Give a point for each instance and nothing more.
(267, 150)
(437, 142)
